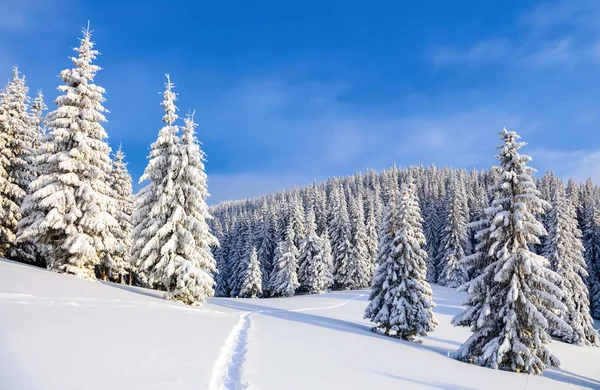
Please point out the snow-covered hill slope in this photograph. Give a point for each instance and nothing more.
(61, 332)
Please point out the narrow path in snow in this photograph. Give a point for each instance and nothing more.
(227, 372)
(228, 369)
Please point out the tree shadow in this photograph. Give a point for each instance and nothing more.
(137, 290)
(436, 384)
(449, 310)
(571, 378)
(323, 322)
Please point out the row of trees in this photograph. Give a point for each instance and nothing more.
(66, 204)
(520, 258)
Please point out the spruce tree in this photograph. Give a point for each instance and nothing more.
(314, 274)
(284, 278)
(455, 241)
(17, 139)
(267, 244)
(513, 301)
(357, 270)
(116, 264)
(564, 250)
(195, 264)
(252, 280)
(154, 218)
(372, 240)
(591, 242)
(401, 299)
(339, 234)
(69, 203)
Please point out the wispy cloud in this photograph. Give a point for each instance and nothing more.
(558, 33)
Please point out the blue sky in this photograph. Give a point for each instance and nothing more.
(290, 92)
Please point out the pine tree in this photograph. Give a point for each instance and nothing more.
(69, 204)
(37, 117)
(116, 263)
(455, 241)
(155, 203)
(241, 255)
(339, 234)
(564, 250)
(252, 281)
(401, 298)
(357, 270)
(223, 276)
(314, 274)
(266, 244)
(30, 251)
(284, 278)
(372, 240)
(590, 226)
(514, 299)
(16, 157)
(194, 264)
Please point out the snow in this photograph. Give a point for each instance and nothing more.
(62, 332)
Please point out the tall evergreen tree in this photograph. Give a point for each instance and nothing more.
(455, 241)
(16, 152)
(314, 274)
(339, 234)
(590, 214)
(284, 278)
(564, 250)
(401, 299)
(252, 280)
(194, 264)
(157, 211)
(514, 299)
(120, 181)
(267, 244)
(357, 270)
(69, 203)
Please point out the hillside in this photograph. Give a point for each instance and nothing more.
(62, 332)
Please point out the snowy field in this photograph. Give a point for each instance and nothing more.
(61, 332)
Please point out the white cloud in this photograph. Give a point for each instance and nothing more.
(576, 164)
(557, 33)
(248, 185)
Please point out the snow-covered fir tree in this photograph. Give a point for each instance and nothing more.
(242, 248)
(157, 211)
(252, 280)
(357, 270)
(117, 264)
(296, 216)
(17, 139)
(69, 204)
(339, 235)
(29, 251)
(513, 302)
(284, 278)
(401, 299)
(564, 250)
(195, 263)
(314, 273)
(266, 243)
(372, 240)
(222, 260)
(38, 107)
(172, 239)
(454, 244)
(590, 226)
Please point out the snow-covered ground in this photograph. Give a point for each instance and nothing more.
(61, 332)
